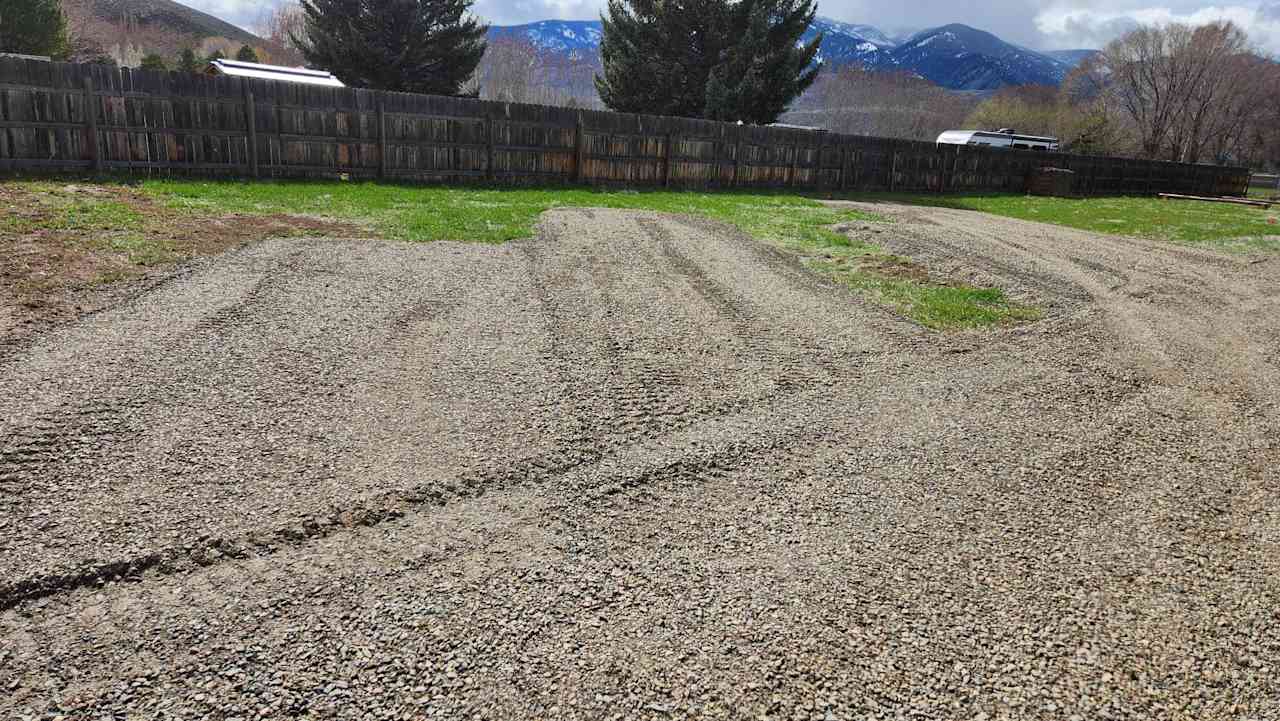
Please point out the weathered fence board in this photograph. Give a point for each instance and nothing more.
(64, 116)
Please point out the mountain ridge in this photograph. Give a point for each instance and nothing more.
(170, 16)
(955, 56)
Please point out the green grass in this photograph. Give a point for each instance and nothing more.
(140, 248)
(100, 223)
(494, 215)
(1221, 226)
(73, 212)
(799, 225)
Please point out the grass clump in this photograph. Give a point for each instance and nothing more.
(799, 225)
(490, 215)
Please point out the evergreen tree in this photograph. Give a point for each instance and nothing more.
(33, 27)
(419, 46)
(721, 59)
(247, 54)
(215, 55)
(187, 61)
(152, 61)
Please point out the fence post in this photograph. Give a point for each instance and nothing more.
(382, 135)
(795, 163)
(1150, 166)
(455, 153)
(279, 134)
(737, 161)
(844, 168)
(577, 145)
(91, 117)
(955, 163)
(493, 174)
(251, 123)
(818, 167)
(719, 151)
(893, 173)
(666, 165)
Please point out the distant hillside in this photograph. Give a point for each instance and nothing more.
(564, 36)
(964, 58)
(170, 18)
(1072, 57)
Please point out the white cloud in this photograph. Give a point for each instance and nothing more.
(1065, 25)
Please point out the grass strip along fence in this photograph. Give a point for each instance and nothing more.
(66, 117)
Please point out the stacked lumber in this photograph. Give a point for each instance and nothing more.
(1235, 201)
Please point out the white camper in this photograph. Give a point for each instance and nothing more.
(1003, 138)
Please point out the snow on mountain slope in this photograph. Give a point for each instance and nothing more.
(964, 58)
(954, 56)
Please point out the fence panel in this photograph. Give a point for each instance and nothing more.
(60, 116)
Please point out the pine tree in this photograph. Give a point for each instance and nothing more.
(420, 46)
(215, 55)
(721, 59)
(33, 27)
(247, 54)
(767, 67)
(152, 61)
(187, 61)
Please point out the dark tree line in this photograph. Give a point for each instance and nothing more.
(717, 59)
(33, 27)
(418, 46)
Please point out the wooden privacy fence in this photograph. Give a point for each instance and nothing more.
(1264, 181)
(60, 116)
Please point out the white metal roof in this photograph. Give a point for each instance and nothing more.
(241, 69)
(961, 137)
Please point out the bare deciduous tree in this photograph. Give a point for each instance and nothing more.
(279, 26)
(855, 100)
(90, 36)
(515, 70)
(1186, 92)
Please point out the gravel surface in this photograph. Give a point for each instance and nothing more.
(642, 467)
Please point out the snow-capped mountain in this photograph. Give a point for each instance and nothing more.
(964, 58)
(1072, 58)
(563, 36)
(844, 43)
(954, 56)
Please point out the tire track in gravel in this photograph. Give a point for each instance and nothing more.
(626, 396)
(641, 466)
(1121, 277)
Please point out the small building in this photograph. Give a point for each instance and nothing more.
(1002, 138)
(260, 71)
(793, 126)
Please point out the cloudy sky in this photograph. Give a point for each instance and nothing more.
(1058, 24)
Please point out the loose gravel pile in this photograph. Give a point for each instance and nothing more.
(642, 467)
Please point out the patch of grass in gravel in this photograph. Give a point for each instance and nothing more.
(491, 215)
(800, 225)
(60, 211)
(1221, 226)
(897, 282)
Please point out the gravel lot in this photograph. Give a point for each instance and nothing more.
(641, 467)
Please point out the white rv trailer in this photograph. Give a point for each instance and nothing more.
(1003, 138)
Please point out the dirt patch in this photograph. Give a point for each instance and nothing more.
(67, 249)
